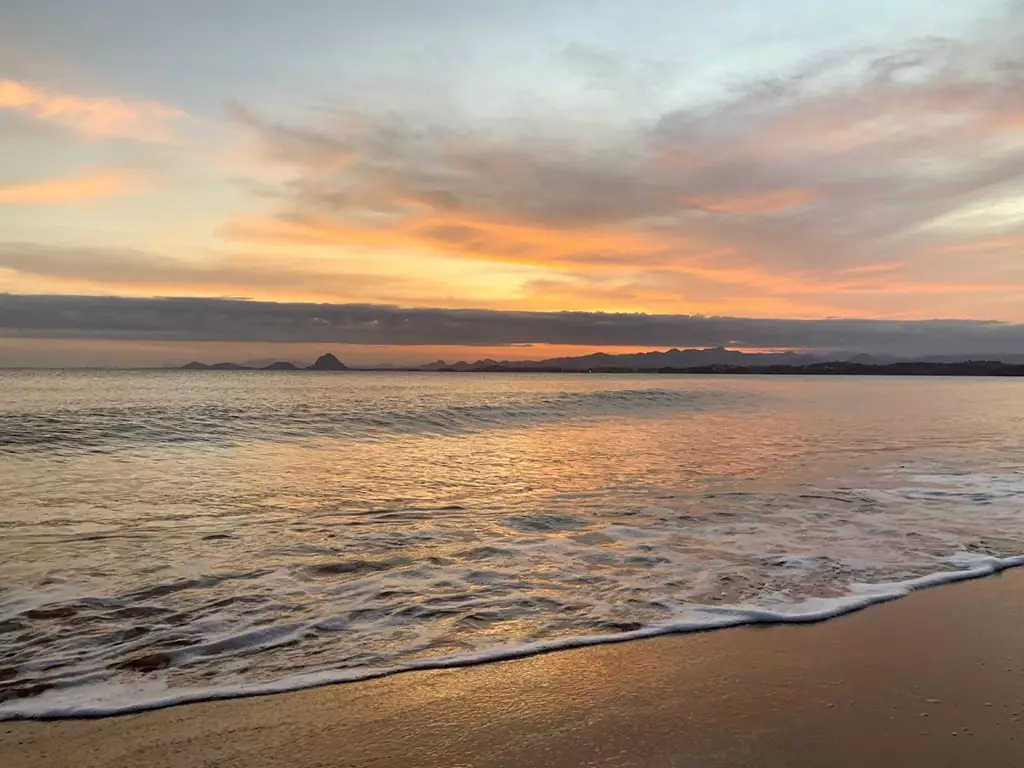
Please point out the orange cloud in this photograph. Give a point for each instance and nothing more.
(622, 268)
(1008, 121)
(467, 237)
(682, 273)
(101, 117)
(764, 204)
(873, 269)
(993, 244)
(671, 294)
(521, 242)
(91, 186)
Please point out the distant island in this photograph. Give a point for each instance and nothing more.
(717, 360)
(326, 362)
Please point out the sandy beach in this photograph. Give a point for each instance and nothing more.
(934, 679)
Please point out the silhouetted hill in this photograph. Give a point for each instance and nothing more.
(681, 359)
(695, 361)
(839, 368)
(328, 362)
(266, 362)
(194, 366)
(672, 358)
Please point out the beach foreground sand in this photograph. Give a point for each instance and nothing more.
(935, 679)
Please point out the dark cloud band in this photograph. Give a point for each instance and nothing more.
(236, 320)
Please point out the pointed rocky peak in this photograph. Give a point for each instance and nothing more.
(328, 362)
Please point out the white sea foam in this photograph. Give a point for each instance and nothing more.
(107, 698)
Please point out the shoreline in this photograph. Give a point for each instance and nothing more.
(934, 679)
(706, 619)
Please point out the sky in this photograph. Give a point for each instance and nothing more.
(539, 176)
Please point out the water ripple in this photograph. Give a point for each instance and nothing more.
(168, 536)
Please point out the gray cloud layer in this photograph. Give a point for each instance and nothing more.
(188, 319)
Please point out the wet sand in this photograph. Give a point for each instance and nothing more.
(934, 679)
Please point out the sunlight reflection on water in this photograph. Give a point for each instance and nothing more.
(211, 528)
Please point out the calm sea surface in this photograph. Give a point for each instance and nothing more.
(174, 535)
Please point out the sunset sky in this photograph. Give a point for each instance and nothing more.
(861, 160)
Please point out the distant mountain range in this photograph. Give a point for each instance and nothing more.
(719, 358)
(696, 358)
(673, 358)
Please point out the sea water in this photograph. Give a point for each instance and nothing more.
(170, 536)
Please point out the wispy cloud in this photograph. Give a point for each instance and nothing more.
(94, 185)
(786, 192)
(134, 271)
(107, 116)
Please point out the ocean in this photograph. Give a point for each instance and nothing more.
(170, 536)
